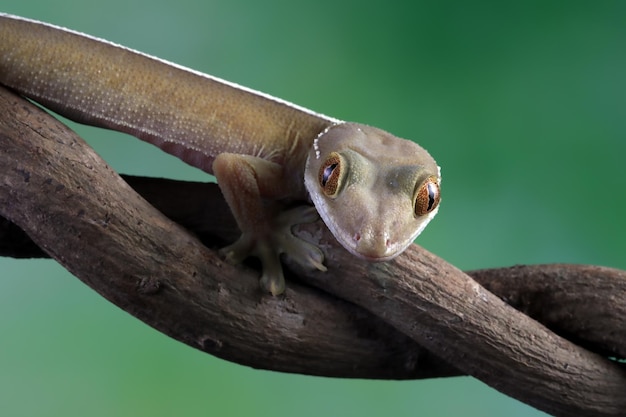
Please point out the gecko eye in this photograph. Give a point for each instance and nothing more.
(427, 197)
(330, 174)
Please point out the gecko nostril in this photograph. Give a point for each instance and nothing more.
(388, 243)
(356, 237)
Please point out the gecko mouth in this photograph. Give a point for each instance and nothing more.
(376, 258)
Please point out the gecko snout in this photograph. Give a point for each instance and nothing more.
(374, 245)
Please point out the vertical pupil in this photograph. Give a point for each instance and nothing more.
(328, 171)
(432, 195)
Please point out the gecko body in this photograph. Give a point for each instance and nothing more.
(374, 191)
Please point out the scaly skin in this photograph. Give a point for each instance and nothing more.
(376, 192)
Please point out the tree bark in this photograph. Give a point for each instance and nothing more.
(577, 302)
(84, 215)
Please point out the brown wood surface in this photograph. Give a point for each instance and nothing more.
(363, 320)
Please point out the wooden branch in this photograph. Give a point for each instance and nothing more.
(575, 301)
(80, 212)
(86, 217)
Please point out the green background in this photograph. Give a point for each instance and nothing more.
(523, 105)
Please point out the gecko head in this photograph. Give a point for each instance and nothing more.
(375, 192)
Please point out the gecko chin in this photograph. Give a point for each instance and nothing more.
(375, 258)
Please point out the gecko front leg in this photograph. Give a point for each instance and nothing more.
(249, 185)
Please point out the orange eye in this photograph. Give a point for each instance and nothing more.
(330, 174)
(427, 197)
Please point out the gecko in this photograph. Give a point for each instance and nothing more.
(374, 191)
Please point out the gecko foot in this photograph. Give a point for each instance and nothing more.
(275, 240)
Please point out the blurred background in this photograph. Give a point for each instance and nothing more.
(523, 105)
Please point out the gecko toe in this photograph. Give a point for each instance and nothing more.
(273, 283)
(239, 250)
(272, 279)
(304, 253)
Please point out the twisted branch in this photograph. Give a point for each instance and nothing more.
(370, 320)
